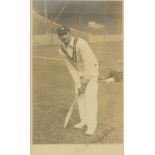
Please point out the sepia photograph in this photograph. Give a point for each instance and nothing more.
(77, 77)
(76, 72)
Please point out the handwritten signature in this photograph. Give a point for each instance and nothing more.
(104, 134)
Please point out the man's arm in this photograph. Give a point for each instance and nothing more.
(73, 73)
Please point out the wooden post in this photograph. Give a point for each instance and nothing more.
(45, 9)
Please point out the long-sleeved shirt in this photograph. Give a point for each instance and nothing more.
(80, 62)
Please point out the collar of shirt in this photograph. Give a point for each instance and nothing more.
(70, 45)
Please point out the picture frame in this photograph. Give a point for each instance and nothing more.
(100, 23)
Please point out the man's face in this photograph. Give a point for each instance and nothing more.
(65, 37)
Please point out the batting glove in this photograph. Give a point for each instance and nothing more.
(84, 83)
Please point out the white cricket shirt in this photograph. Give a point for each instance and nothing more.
(85, 65)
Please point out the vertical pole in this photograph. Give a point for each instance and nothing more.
(106, 25)
(45, 9)
(45, 14)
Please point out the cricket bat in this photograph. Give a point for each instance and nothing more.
(71, 109)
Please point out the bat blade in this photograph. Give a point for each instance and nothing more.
(71, 109)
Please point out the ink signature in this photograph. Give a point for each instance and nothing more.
(104, 134)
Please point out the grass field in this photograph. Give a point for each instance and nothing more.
(53, 93)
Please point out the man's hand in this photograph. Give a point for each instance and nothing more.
(84, 83)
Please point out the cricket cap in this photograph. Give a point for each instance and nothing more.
(63, 30)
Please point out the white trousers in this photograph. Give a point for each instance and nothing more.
(87, 104)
